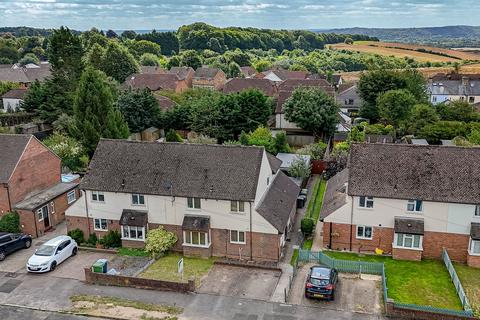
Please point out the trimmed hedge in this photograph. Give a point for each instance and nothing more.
(10, 222)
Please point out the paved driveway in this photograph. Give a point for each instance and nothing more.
(352, 294)
(240, 282)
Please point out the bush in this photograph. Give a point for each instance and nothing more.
(159, 241)
(306, 226)
(173, 136)
(92, 239)
(112, 239)
(10, 222)
(77, 235)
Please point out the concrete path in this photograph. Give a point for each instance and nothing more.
(317, 244)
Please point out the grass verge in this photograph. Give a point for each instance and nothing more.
(132, 252)
(165, 268)
(470, 279)
(294, 258)
(319, 200)
(425, 282)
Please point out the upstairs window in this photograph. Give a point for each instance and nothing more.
(138, 199)
(365, 202)
(98, 196)
(415, 206)
(193, 203)
(71, 196)
(237, 206)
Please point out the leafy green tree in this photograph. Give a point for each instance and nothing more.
(457, 111)
(65, 52)
(168, 41)
(474, 136)
(118, 63)
(262, 136)
(255, 110)
(315, 150)
(280, 143)
(299, 168)
(29, 58)
(94, 56)
(8, 53)
(94, 112)
(395, 106)
(6, 86)
(262, 65)
(190, 58)
(312, 110)
(233, 70)
(128, 34)
(35, 97)
(140, 47)
(421, 115)
(139, 108)
(159, 241)
(440, 130)
(69, 150)
(10, 222)
(111, 34)
(148, 59)
(356, 135)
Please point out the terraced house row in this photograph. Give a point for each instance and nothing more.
(407, 200)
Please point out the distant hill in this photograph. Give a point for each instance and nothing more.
(449, 36)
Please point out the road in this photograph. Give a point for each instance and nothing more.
(15, 313)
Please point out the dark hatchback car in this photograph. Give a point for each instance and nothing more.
(11, 242)
(321, 283)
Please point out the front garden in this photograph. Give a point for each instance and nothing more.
(470, 279)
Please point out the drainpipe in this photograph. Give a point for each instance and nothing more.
(86, 211)
(330, 236)
(351, 226)
(8, 196)
(251, 234)
(35, 220)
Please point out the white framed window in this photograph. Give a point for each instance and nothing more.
(133, 233)
(415, 206)
(237, 237)
(138, 199)
(100, 224)
(408, 241)
(476, 213)
(98, 196)
(71, 197)
(193, 203)
(364, 232)
(196, 239)
(237, 206)
(474, 247)
(365, 202)
(42, 213)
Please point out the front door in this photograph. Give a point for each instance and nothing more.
(43, 216)
(46, 220)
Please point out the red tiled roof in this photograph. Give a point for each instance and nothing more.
(240, 84)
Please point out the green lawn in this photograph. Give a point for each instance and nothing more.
(165, 268)
(132, 252)
(423, 283)
(307, 244)
(470, 278)
(315, 203)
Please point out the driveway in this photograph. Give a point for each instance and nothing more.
(240, 282)
(352, 294)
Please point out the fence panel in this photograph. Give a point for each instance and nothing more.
(456, 282)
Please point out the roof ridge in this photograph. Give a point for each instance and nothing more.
(183, 143)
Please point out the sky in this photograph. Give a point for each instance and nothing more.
(277, 14)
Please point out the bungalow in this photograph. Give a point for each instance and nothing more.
(410, 201)
(209, 78)
(31, 184)
(225, 201)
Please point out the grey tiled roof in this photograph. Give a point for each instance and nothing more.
(39, 199)
(196, 223)
(206, 72)
(134, 218)
(405, 171)
(409, 225)
(279, 201)
(15, 94)
(152, 81)
(11, 149)
(174, 169)
(240, 84)
(181, 72)
(335, 194)
(274, 162)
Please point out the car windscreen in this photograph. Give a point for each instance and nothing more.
(319, 282)
(45, 250)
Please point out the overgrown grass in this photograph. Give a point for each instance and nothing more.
(319, 200)
(470, 279)
(307, 244)
(166, 268)
(294, 258)
(126, 303)
(132, 252)
(425, 282)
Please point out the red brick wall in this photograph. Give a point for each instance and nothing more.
(472, 261)
(27, 222)
(456, 245)
(4, 205)
(37, 169)
(197, 252)
(406, 254)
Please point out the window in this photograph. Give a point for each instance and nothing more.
(365, 202)
(193, 203)
(268, 181)
(100, 224)
(237, 236)
(42, 213)
(364, 232)
(475, 247)
(415, 205)
(349, 102)
(195, 238)
(237, 206)
(71, 196)
(133, 233)
(477, 211)
(138, 199)
(434, 98)
(462, 98)
(408, 241)
(98, 196)
(471, 99)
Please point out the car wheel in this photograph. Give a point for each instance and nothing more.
(307, 296)
(74, 251)
(53, 266)
(332, 297)
(2, 255)
(28, 243)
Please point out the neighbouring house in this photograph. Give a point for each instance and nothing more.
(209, 78)
(452, 87)
(152, 69)
(25, 75)
(225, 201)
(348, 98)
(288, 158)
(336, 79)
(279, 75)
(31, 184)
(410, 201)
(183, 74)
(239, 84)
(156, 82)
(248, 72)
(12, 100)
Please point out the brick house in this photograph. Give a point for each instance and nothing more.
(407, 200)
(25, 75)
(157, 82)
(30, 183)
(209, 78)
(226, 201)
(235, 85)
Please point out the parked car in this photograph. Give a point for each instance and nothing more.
(11, 242)
(53, 252)
(321, 283)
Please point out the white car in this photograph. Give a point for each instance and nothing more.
(50, 254)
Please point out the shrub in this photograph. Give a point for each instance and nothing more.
(159, 241)
(173, 136)
(112, 239)
(299, 168)
(306, 226)
(92, 239)
(77, 235)
(10, 222)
